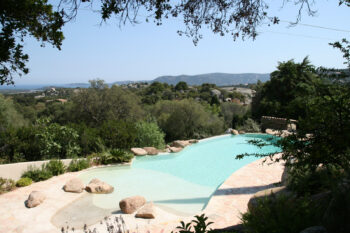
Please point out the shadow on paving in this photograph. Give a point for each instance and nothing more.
(80, 212)
(184, 201)
(243, 190)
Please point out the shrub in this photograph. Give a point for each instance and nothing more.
(200, 225)
(281, 215)
(232, 114)
(121, 156)
(118, 134)
(6, 185)
(186, 119)
(37, 174)
(250, 126)
(55, 140)
(78, 164)
(89, 139)
(305, 182)
(94, 159)
(115, 156)
(24, 182)
(336, 216)
(149, 134)
(55, 167)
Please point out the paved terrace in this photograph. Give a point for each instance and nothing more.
(224, 208)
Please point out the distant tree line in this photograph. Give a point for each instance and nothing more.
(100, 118)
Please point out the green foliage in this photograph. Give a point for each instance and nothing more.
(114, 156)
(250, 126)
(181, 86)
(237, 95)
(6, 185)
(323, 136)
(25, 181)
(336, 216)
(149, 134)
(9, 116)
(284, 95)
(20, 19)
(55, 167)
(238, 121)
(78, 164)
(37, 174)
(47, 170)
(58, 112)
(18, 145)
(344, 47)
(281, 215)
(233, 114)
(98, 84)
(306, 181)
(199, 225)
(56, 141)
(186, 119)
(94, 106)
(118, 134)
(323, 131)
(318, 155)
(214, 100)
(89, 139)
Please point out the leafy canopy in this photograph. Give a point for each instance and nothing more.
(38, 19)
(283, 95)
(21, 18)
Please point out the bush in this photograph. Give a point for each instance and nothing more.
(115, 156)
(199, 225)
(233, 114)
(6, 185)
(118, 134)
(250, 126)
(55, 167)
(24, 182)
(186, 119)
(121, 156)
(336, 216)
(78, 164)
(149, 134)
(56, 141)
(305, 182)
(89, 139)
(281, 215)
(37, 174)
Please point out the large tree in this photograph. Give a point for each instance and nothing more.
(99, 103)
(21, 18)
(38, 18)
(284, 95)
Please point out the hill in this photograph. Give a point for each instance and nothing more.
(220, 79)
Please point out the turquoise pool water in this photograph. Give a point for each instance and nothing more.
(178, 182)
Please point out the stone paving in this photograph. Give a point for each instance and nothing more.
(224, 208)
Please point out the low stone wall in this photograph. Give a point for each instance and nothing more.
(15, 170)
(268, 122)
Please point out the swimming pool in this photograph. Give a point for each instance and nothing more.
(182, 182)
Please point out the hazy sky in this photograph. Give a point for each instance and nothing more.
(146, 51)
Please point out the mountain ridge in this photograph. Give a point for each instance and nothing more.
(220, 79)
